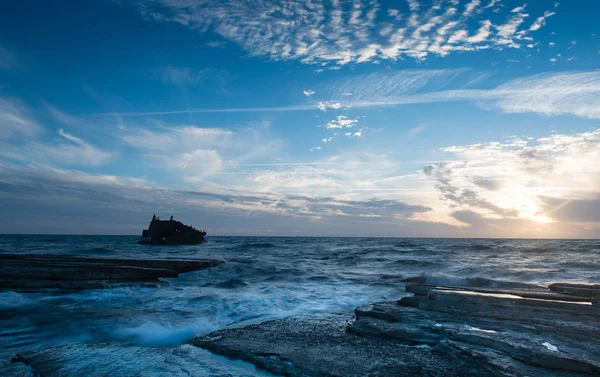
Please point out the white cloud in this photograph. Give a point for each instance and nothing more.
(68, 150)
(323, 106)
(492, 3)
(180, 138)
(197, 164)
(353, 134)
(76, 152)
(197, 153)
(508, 32)
(342, 121)
(514, 179)
(20, 139)
(541, 21)
(15, 120)
(470, 7)
(413, 5)
(308, 92)
(417, 130)
(316, 32)
(483, 33)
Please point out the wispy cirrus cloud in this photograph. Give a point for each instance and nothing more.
(575, 93)
(66, 149)
(22, 139)
(16, 120)
(341, 32)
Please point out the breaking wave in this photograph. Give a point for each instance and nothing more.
(151, 334)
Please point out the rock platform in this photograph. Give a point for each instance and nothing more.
(439, 331)
(34, 272)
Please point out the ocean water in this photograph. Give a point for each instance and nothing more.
(265, 278)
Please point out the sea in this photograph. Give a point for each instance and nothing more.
(265, 278)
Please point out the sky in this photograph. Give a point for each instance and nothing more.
(404, 118)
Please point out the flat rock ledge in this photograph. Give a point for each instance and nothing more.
(438, 331)
(34, 272)
(118, 360)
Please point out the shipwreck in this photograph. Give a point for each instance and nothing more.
(170, 232)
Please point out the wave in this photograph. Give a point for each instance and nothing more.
(473, 247)
(581, 264)
(253, 246)
(260, 245)
(540, 249)
(231, 284)
(472, 281)
(415, 263)
(11, 300)
(409, 244)
(99, 250)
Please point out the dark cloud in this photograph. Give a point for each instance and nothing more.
(468, 217)
(572, 210)
(461, 197)
(52, 202)
(372, 207)
(489, 184)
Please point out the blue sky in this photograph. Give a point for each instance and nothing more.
(446, 118)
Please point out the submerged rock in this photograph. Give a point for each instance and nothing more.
(440, 331)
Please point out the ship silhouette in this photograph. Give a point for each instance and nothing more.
(170, 232)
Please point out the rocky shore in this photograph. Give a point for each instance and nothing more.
(35, 272)
(433, 331)
(439, 331)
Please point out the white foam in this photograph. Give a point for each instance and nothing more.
(152, 334)
(551, 347)
(482, 330)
